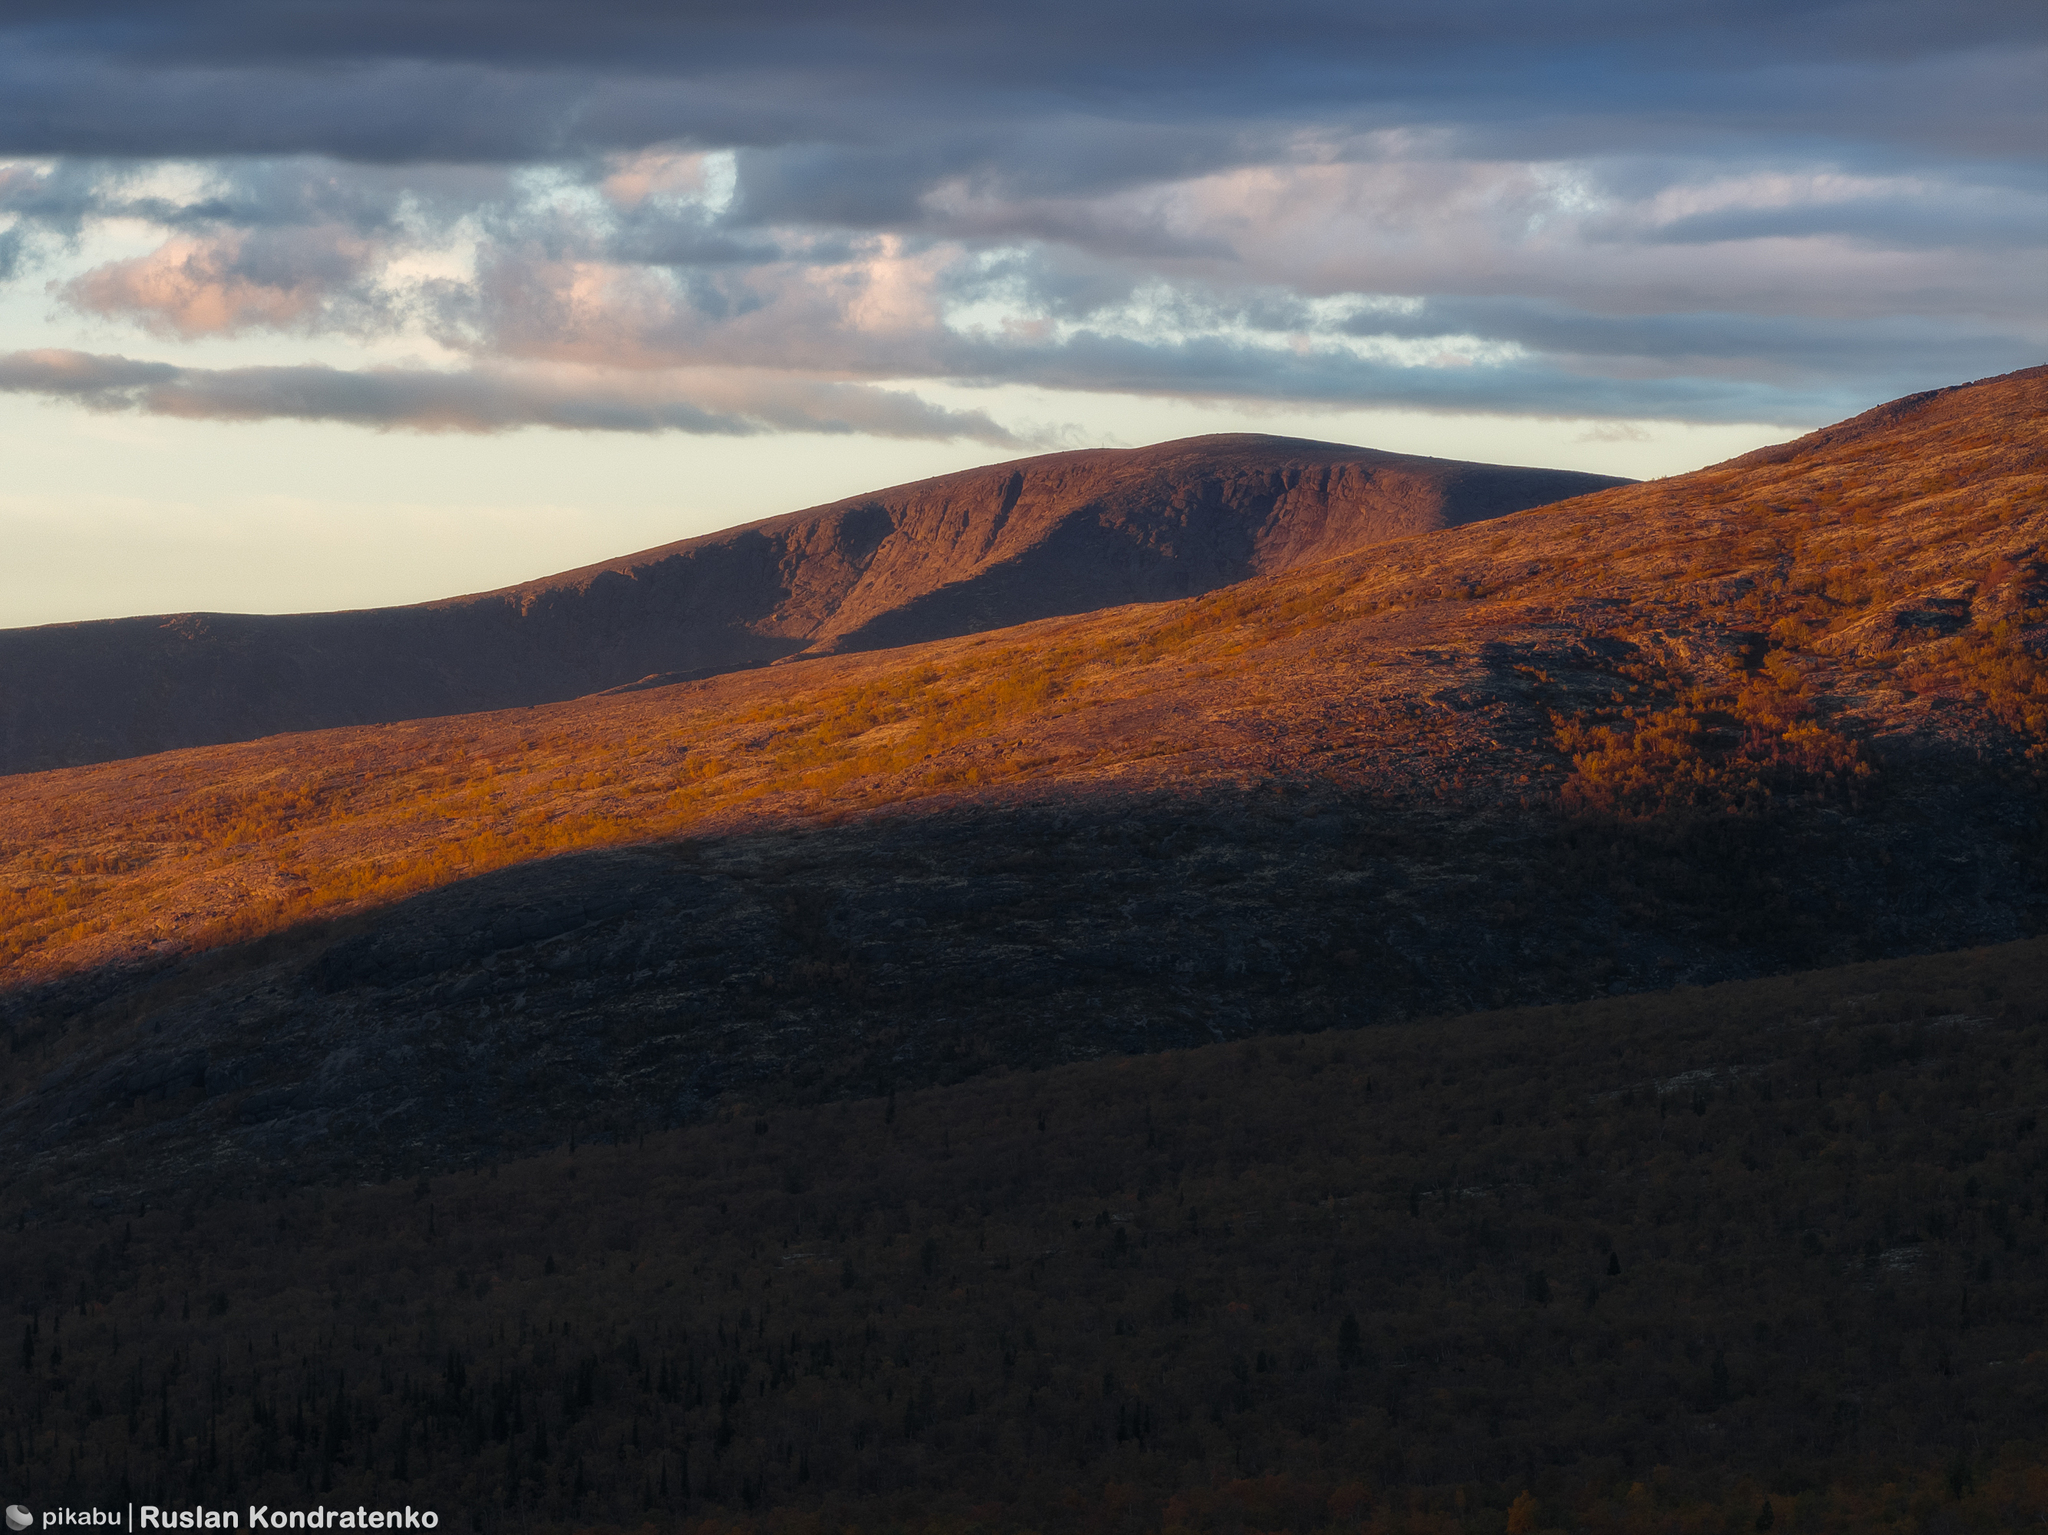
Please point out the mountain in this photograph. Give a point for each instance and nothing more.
(1783, 712)
(1062, 533)
(608, 1113)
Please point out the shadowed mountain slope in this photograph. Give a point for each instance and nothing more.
(1780, 1238)
(1766, 716)
(1058, 534)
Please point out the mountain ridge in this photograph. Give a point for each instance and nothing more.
(1891, 414)
(954, 554)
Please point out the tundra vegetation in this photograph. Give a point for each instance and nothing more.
(1645, 1264)
(1786, 632)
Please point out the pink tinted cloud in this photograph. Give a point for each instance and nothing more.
(221, 284)
(874, 310)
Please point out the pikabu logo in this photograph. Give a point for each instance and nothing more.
(261, 1517)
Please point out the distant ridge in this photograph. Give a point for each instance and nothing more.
(1040, 537)
(2016, 410)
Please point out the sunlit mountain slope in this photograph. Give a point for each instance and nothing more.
(1779, 712)
(1061, 533)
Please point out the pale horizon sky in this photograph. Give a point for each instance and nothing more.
(305, 308)
(114, 516)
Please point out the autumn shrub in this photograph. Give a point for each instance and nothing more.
(2010, 675)
(1763, 750)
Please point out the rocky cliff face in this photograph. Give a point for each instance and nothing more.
(1041, 537)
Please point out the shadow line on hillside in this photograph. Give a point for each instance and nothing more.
(601, 992)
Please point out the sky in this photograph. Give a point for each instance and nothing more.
(317, 304)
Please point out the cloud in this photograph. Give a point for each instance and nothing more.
(231, 282)
(1613, 431)
(1771, 208)
(922, 91)
(488, 400)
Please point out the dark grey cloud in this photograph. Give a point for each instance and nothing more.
(1582, 207)
(278, 194)
(922, 85)
(427, 401)
(1778, 348)
(1896, 223)
(1537, 385)
(690, 241)
(419, 400)
(998, 45)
